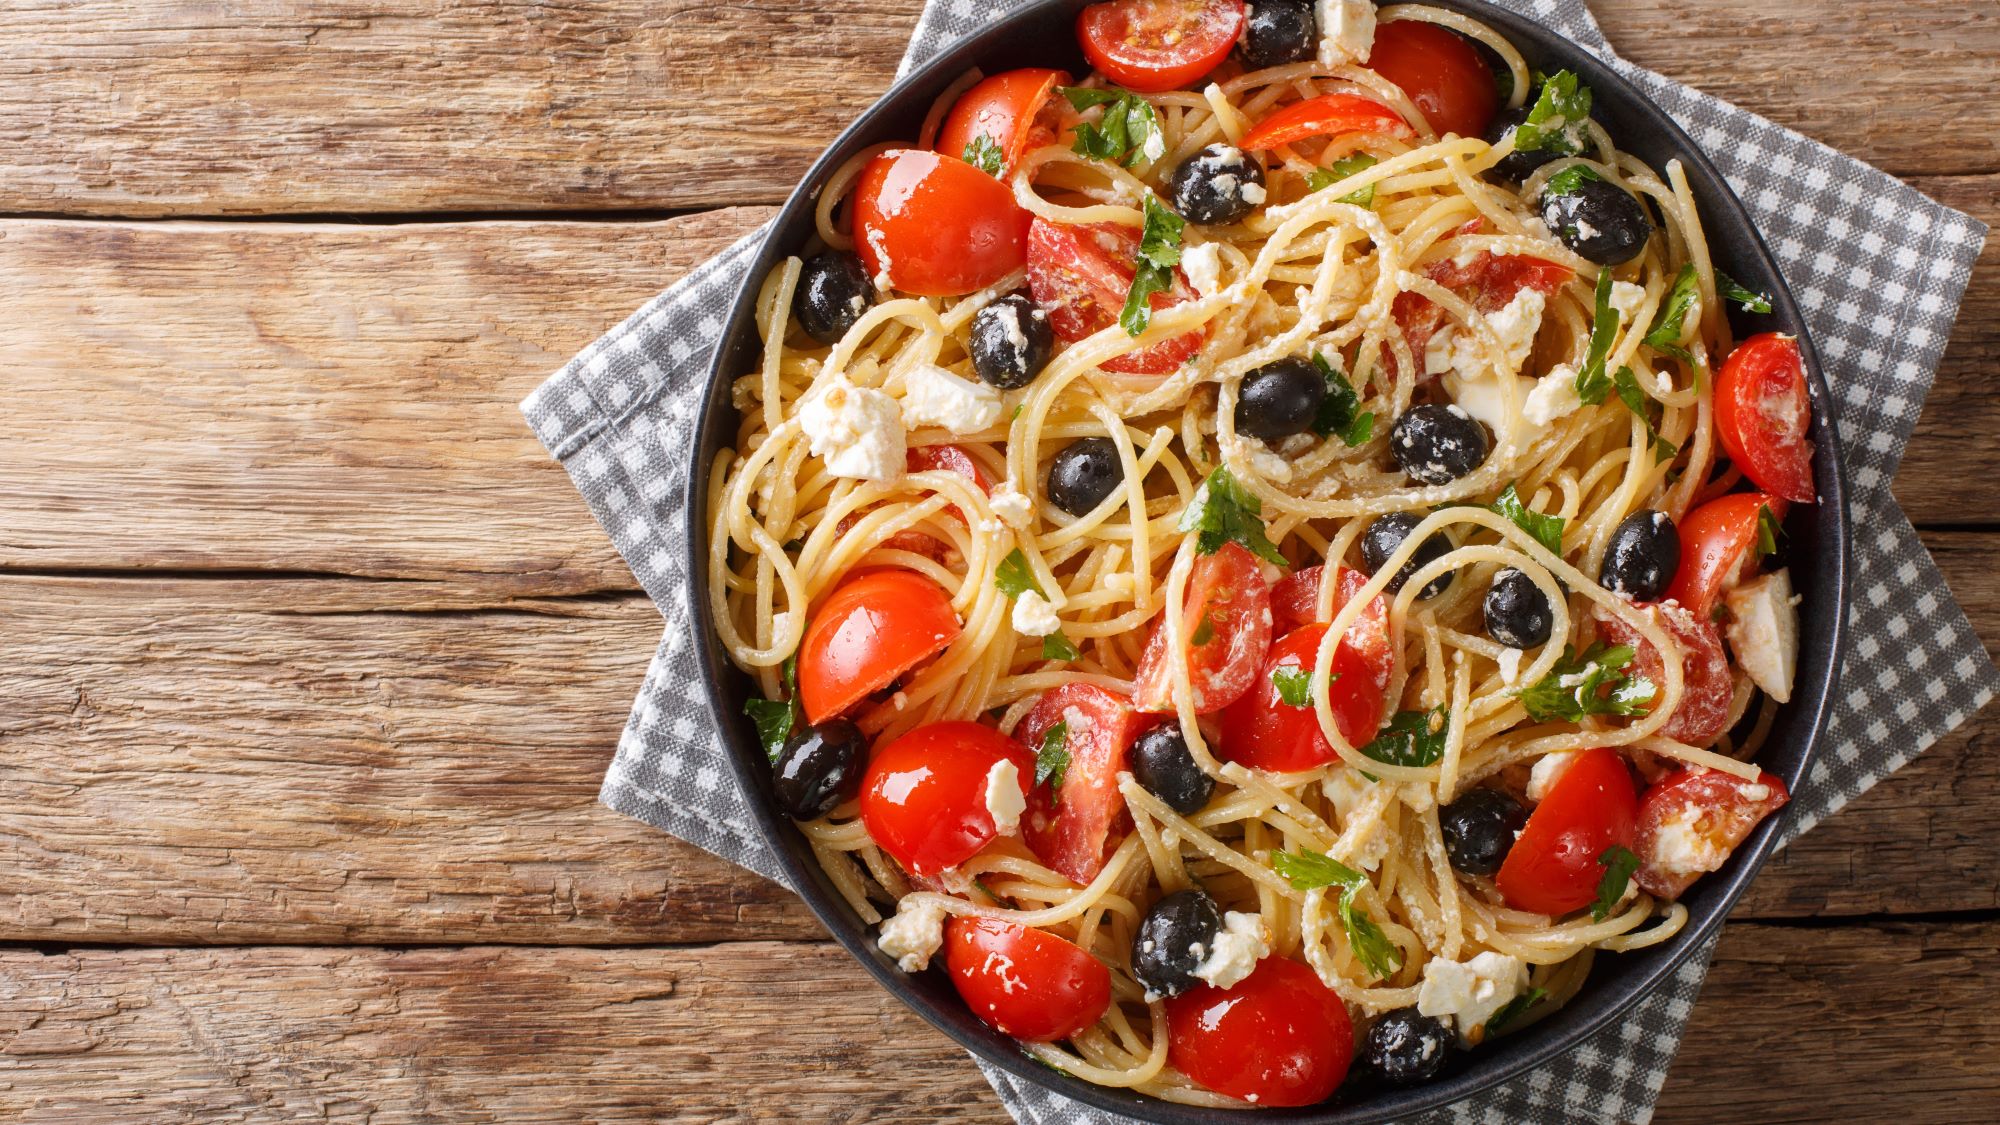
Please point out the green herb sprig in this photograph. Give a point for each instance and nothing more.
(775, 719)
(1124, 132)
(1546, 530)
(1577, 686)
(1340, 411)
(1225, 512)
(1412, 738)
(1159, 253)
(1308, 870)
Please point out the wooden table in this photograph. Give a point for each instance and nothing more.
(310, 659)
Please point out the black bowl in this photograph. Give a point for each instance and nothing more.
(1040, 35)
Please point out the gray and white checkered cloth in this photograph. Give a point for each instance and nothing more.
(1879, 270)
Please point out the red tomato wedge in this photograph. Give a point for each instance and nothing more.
(1490, 281)
(1707, 686)
(923, 798)
(1280, 1037)
(1025, 983)
(1329, 115)
(1080, 275)
(1441, 71)
(1226, 622)
(1155, 45)
(873, 628)
(1716, 538)
(1296, 596)
(1762, 413)
(936, 225)
(1006, 109)
(1075, 828)
(1264, 732)
(1552, 868)
(1690, 822)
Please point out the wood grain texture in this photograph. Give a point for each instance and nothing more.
(436, 105)
(506, 1034)
(334, 761)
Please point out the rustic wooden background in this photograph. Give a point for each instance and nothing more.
(310, 660)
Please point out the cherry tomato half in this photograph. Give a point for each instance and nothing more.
(938, 226)
(1762, 413)
(1552, 868)
(1025, 983)
(1264, 732)
(1081, 275)
(1280, 1037)
(923, 798)
(1226, 623)
(1330, 115)
(1154, 45)
(1074, 829)
(1005, 109)
(1441, 71)
(872, 629)
(1706, 684)
(1490, 281)
(1715, 540)
(1691, 821)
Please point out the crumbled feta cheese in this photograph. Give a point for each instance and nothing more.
(1553, 397)
(878, 242)
(1680, 848)
(1626, 298)
(1584, 230)
(1253, 194)
(1008, 317)
(1516, 325)
(1347, 31)
(1242, 941)
(856, 430)
(1004, 800)
(1372, 848)
(1483, 394)
(1155, 146)
(1510, 664)
(1203, 266)
(1438, 351)
(1548, 767)
(1034, 616)
(936, 397)
(1763, 632)
(1470, 992)
(1076, 721)
(913, 934)
(1014, 509)
(1346, 788)
(1260, 458)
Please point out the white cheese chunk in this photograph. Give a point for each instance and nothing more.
(1203, 266)
(913, 934)
(1347, 31)
(1014, 509)
(856, 430)
(1004, 800)
(1469, 993)
(1626, 298)
(1548, 767)
(1763, 631)
(1515, 325)
(1510, 664)
(1242, 941)
(1483, 394)
(1439, 350)
(1553, 397)
(1034, 615)
(1681, 848)
(933, 396)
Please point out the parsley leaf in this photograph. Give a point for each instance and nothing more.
(1732, 290)
(1555, 122)
(1052, 760)
(1768, 531)
(1055, 646)
(982, 153)
(1295, 685)
(1127, 130)
(1340, 411)
(1547, 530)
(1204, 632)
(1665, 334)
(1320, 179)
(1567, 181)
(1224, 512)
(1591, 383)
(1627, 385)
(1412, 738)
(1618, 863)
(1575, 686)
(776, 719)
(1309, 871)
(1513, 1010)
(1159, 253)
(1013, 577)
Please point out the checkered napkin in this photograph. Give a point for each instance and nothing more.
(1879, 270)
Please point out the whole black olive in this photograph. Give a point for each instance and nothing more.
(1437, 444)
(1173, 939)
(1219, 184)
(1519, 164)
(1479, 829)
(832, 293)
(1386, 534)
(1161, 762)
(1083, 474)
(1011, 342)
(1518, 614)
(819, 768)
(1599, 220)
(1280, 399)
(1276, 32)
(1406, 1046)
(1642, 557)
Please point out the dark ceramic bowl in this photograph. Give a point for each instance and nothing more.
(1040, 35)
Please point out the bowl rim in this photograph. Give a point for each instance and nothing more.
(1610, 999)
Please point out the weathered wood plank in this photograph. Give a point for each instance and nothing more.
(796, 1032)
(1953, 443)
(307, 106)
(334, 761)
